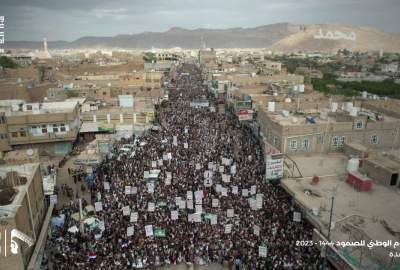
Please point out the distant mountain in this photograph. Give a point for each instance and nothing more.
(277, 37)
(259, 37)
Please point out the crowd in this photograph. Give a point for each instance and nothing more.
(192, 191)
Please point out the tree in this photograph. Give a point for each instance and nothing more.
(7, 62)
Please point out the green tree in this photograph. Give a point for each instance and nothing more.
(7, 62)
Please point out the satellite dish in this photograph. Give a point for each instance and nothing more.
(29, 152)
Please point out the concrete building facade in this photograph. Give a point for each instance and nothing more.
(23, 208)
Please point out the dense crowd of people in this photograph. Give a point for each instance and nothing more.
(193, 191)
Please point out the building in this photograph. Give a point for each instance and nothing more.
(308, 127)
(390, 68)
(50, 126)
(22, 207)
(207, 57)
(136, 113)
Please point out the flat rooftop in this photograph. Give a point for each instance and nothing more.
(376, 213)
(65, 106)
(27, 170)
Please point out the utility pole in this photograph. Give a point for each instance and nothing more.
(81, 227)
(329, 233)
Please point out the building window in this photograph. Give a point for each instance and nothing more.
(62, 128)
(342, 140)
(359, 124)
(29, 107)
(44, 129)
(55, 128)
(14, 134)
(276, 141)
(104, 93)
(293, 144)
(320, 139)
(374, 139)
(335, 141)
(22, 133)
(306, 144)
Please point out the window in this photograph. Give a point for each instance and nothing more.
(306, 144)
(22, 133)
(55, 128)
(276, 141)
(14, 134)
(293, 144)
(335, 141)
(29, 107)
(374, 139)
(359, 124)
(62, 128)
(320, 139)
(44, 129)
(342, 140)
(104, 93)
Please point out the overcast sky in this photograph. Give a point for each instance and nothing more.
(71, 19)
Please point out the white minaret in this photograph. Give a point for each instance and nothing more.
(45, 45)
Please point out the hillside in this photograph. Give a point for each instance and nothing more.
(284, 37)
(365, 39)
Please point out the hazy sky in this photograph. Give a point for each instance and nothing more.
(71, 19)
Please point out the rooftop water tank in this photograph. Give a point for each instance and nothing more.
(334, 107)
(271, 106)
(353, 164)
(354, 111)
(285, 113)
(364, 94)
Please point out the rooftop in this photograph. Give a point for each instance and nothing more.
(376, 213)
(25, 170)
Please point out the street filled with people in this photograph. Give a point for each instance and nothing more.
(191, 190)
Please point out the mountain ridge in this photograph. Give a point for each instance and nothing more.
(277, 37)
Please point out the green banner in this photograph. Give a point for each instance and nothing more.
(159, 232)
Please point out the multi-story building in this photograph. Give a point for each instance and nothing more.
(320, 130)
(134, 113)
(50, 126)
(22, 210)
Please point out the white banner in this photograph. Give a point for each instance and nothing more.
(126, 210)
(128, 190)
(129, 231)
(262, 251)
(256, 230)
(199, 208)
(151, 207)
(189, 195)
(253, 190)
(214, 220)
(150, 187)
(149, 230)
(189, 204)
(106, 186)
(245, 192)
(296, 216)
(174, 215)
(226, 178)
(98, 206)
(235, 189)
(230, 213)
(228, 228)
(134, 217)
(215, 202)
